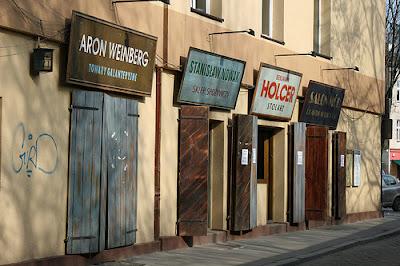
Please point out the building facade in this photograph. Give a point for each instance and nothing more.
(278, 123)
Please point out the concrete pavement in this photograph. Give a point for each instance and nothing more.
(289, 248)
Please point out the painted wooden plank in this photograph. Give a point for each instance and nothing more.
(121, 151)
(193, 171)
(297, 172)
(83, 213)
(132, 143)
(339, 175)
(243, 177)
(253, 177)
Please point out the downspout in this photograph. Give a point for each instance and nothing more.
(157, 154)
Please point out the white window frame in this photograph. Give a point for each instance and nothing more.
(208, 5)
(398, 130)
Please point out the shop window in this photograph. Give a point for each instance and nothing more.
(273, 19)
(398, 130)
(210, 8)
(322, 27)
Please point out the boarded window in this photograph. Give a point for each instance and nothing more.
(273, 19)
(322, 27)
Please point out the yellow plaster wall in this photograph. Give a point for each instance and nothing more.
(262, 204)
(363, 133)
(169, 158)
(33, 209)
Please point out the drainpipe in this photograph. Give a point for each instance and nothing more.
(157, 154)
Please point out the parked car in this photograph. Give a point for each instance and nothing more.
(391, 192)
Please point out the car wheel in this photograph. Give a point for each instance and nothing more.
(396, 204)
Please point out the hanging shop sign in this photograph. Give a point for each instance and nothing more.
(107, 56)
(211, 79)
(275, 92)
(322, 105)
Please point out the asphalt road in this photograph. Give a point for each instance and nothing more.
(384, 251)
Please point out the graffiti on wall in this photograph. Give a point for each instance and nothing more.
(33, 152)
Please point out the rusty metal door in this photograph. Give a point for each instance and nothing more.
(119, 169)
(243, 183)
(316, 175)
(297, 150)
(339, 175)
(193, 171)
(83, 230)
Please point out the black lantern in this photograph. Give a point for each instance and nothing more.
(42, 60)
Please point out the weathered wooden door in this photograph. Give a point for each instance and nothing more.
(316, 175)
(243, 183)
(297, 150)
(339, 175)
(193, 171)
(120, 169)
(84, 175)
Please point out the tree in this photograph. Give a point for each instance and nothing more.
(392, 49)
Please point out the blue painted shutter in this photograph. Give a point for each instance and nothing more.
(84, 173)
(120, 169)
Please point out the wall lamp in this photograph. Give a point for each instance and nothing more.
(130, 1)
(355, 68)
(313, 54)
(248, 31)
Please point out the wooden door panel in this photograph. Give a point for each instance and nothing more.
(244, 174)
(316, 176)
(84, 173)
(193, 171)
(339, 175)
(297, 146)
(120, 168)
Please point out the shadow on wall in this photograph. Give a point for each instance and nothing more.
(353, 26)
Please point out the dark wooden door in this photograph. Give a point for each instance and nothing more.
(120, 169)
(193, 171)
(316, 173)
(297, 153)
(83, 228)
(339, 175)
(243, 183)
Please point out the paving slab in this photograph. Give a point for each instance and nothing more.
(287, 248)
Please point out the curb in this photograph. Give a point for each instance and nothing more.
(301, 258)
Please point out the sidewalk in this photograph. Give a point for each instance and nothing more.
(288, 248)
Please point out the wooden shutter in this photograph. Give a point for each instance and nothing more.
(120, 169)
(193, 171)
(84, 173)
(339, 175)
(243, 182)
(297, 146)
(316, 172)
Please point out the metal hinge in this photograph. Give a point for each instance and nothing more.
(78, 238)
(82, 107)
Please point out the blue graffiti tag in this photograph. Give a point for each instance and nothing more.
(29, 151)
